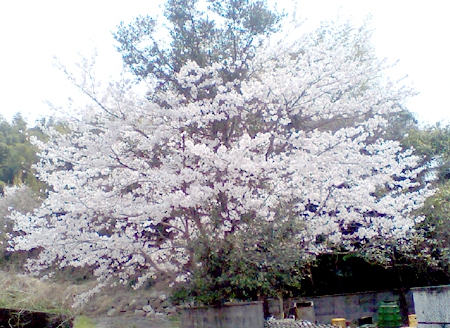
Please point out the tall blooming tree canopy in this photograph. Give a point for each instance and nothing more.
(139, 181)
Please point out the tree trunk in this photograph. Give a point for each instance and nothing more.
(280, 299)
(402, 298)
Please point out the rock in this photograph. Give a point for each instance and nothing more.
(132, 302)
(166, 304)
(141, 303)
(153, 294)
(160, 315)
(112, 312)
(162, 297)
(171, 310)
(150, 315)
(148, 308)
(155, 303)
(140, 313)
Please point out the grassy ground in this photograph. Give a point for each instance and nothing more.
(21, 292)
(26, 293)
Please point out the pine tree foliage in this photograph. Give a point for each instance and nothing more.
(224, 31)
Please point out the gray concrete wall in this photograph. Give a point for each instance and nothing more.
(432, 305)
(348, 306)
(354, 306)
(235, 315)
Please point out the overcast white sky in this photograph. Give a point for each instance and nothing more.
(32, 32)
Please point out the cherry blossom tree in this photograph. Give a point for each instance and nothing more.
(282, 160)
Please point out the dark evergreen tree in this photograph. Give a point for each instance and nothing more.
(226, 31)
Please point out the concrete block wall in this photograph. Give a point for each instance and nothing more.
(234, 315)
(432, 306)
(354, 306)
(348, 306)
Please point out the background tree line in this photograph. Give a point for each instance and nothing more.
(17, 154)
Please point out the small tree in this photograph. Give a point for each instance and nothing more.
(220, 178)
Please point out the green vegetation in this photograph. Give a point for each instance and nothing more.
(17, 154)
(82, 321)
(432, 143)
